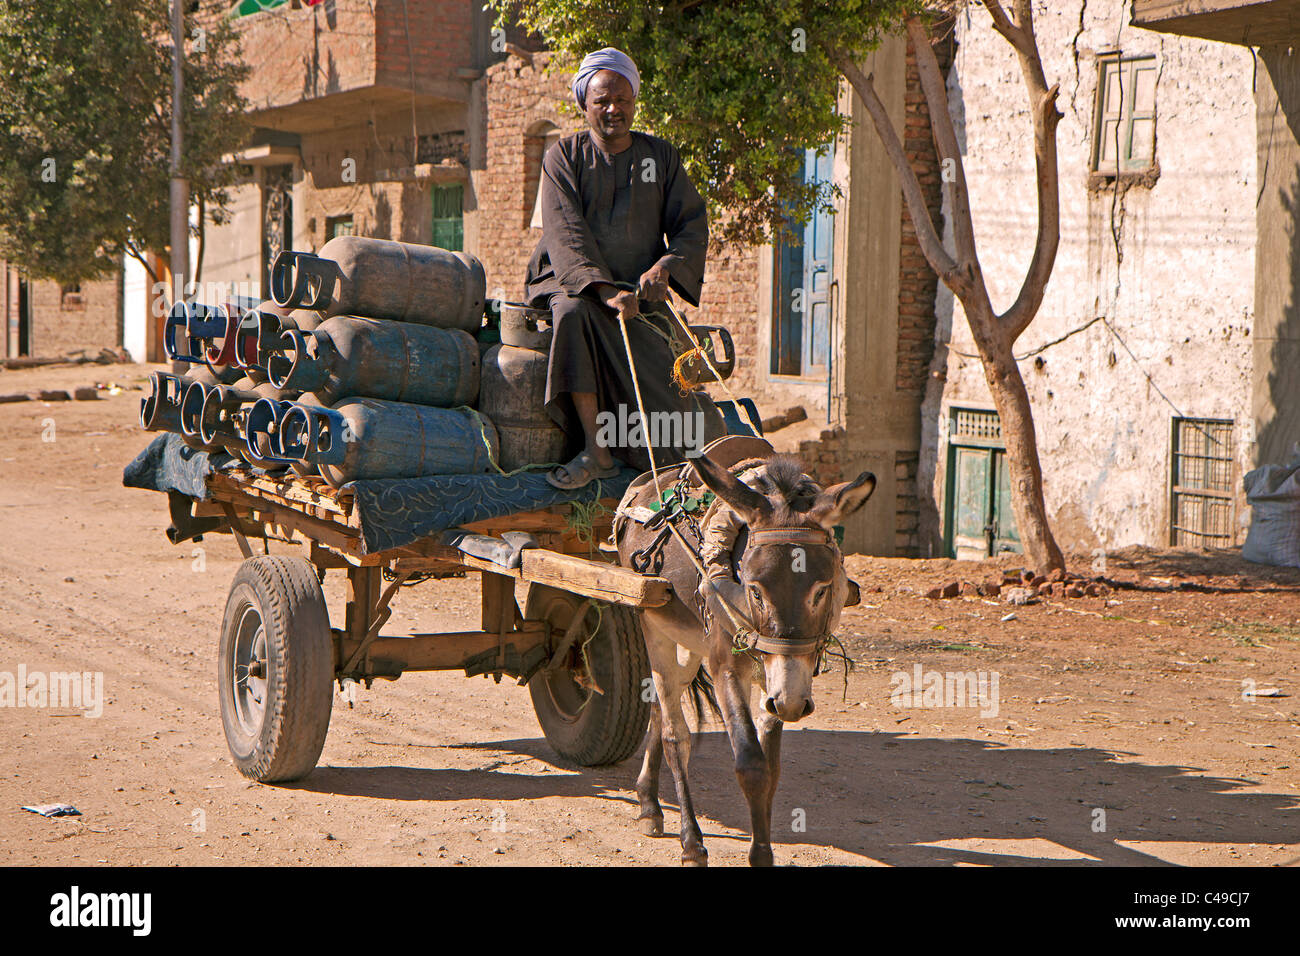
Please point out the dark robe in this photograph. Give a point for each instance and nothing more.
(609, 219)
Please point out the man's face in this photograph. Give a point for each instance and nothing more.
(610, 104)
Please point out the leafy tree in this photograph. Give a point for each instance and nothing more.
(743, 87)
(85, 129)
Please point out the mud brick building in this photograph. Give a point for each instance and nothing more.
(48, 319)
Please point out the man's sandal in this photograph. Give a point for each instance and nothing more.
(579, 473)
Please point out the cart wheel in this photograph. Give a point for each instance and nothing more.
(582, 725)
(277, 669)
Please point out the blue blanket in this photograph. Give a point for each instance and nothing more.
(392, 512)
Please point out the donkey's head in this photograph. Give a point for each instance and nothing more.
(792, 571)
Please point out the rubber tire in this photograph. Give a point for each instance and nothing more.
(300, 668)
(612, 725)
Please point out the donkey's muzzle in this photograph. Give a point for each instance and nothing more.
(789, 708)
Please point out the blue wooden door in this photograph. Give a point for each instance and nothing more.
(801, 304)
(818, 240)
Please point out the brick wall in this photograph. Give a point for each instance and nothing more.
(523, 102)
(309, 52)
(917, 281)
(90, 320)
(822, 456)
(730, 300)
(422, 41)
(907, 506)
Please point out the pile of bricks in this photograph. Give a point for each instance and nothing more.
(1020, 587)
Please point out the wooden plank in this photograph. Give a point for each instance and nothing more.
(433, 652)
(438, 567)
(363, 594)
(337, 536)
(323, 557)
(290, 491)
(597, 579)
(500, 611)
(554, 518)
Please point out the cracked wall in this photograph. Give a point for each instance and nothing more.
(1178, 290)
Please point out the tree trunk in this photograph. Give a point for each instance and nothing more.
(1011, 399)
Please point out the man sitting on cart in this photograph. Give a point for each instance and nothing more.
(621, 221)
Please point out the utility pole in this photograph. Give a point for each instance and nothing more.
(180, 187)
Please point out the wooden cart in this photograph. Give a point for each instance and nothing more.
(577, 643)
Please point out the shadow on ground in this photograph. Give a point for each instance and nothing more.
(885, 795)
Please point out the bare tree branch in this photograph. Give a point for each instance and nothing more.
(927, 237)
(203, 239)
(1002, 23)
(139, 257)
(1045, 117)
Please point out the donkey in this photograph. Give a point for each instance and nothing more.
(791, 584)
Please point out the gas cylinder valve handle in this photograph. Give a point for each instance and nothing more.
(288, 283)
(262, 431)
(178, 318)
(192, 410)
(160, 411)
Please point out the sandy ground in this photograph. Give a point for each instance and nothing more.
(1121, 736)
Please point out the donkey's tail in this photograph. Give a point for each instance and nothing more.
(702, 693)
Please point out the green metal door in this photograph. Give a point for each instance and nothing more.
(1006, 536)
(971, 503)
(979, 515)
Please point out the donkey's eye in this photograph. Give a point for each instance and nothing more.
(820, 594)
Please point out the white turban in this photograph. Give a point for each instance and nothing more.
(604, 59)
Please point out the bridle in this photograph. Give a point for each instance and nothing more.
(789, 537)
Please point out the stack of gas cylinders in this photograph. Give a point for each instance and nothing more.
(365, 363)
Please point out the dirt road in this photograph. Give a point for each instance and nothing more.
(1121, 733)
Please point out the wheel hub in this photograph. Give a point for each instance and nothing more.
(249, 664)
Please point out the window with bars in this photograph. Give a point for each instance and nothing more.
(1124, 131)
(973, 424)
(336, 226)
(1201, 483)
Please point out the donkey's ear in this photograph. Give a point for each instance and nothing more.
(747, 502)
(839, 501)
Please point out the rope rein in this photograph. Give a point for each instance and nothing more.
(745, 636)
(739, 621)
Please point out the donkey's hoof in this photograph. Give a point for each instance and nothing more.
(761, 855)
(699, 857)
(651, 826)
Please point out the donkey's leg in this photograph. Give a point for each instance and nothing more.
(670, 680)
(752, 768)
(677, 747)
(769, 737)
(651, 820)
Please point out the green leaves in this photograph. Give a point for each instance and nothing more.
(88, 87)
(740, 87)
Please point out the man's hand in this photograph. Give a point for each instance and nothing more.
(623, 302)
(653, 286)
